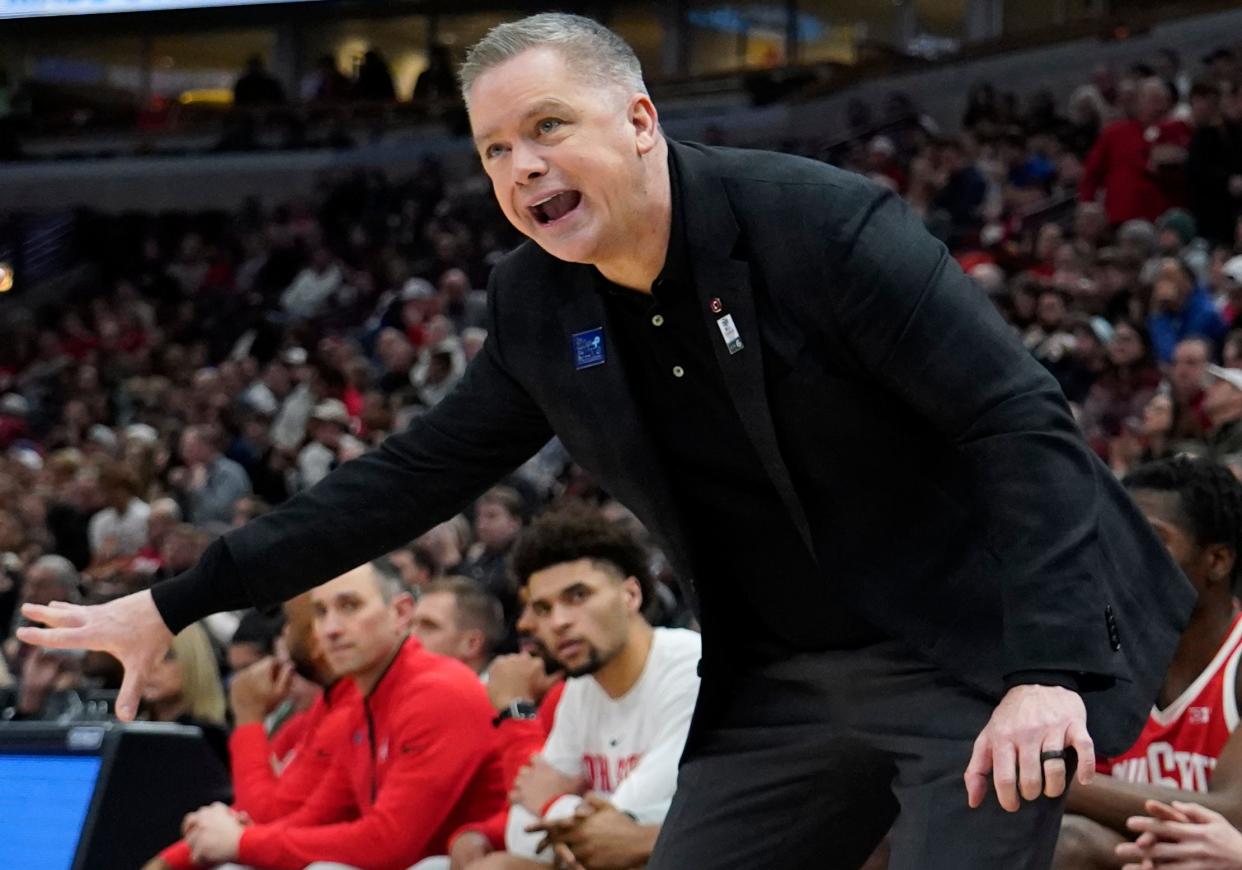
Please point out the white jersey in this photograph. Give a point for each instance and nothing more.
(628, 747)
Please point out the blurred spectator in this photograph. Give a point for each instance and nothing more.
(327, 84)
(257, 87)
(13, 411)
(1187, 380)
(247, 508)
(120, 528)
(454, 617)
(438, 81)
(330, 443)
(438, 370)
(314, 287)
(1133, 157)
(184, 687)
(1223, 407)
(1119, 396)
(1049, 339)
(374, 80)
(1177, 236)
(1214, 165)
(417, 565)
(210, 482)
(964, 188)
(164, 516)
(1180, 309)
(254, 639)
(497, 522)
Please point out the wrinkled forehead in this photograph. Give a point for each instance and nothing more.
(358, 583)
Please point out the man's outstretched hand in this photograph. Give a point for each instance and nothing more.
(1028, 721)
(129, 629)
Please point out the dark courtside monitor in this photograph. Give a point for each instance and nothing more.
(99, 796)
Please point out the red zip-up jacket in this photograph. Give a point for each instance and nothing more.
(421, 762)
(301, 750)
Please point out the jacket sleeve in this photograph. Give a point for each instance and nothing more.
(254, 780)
(177, 856)
(487, 426)
(927, 335)
(440, 746)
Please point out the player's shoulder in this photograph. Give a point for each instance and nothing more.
(676, 652)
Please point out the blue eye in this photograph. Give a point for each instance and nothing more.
(547, 125)
(494, 151)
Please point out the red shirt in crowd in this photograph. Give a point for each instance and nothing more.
(272, 777)
(1120, 163)
(421, 761)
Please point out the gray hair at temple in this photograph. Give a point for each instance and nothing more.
(585, 44)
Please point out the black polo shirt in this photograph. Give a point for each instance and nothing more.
(747, 553)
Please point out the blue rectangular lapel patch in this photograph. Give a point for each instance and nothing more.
(589, 348)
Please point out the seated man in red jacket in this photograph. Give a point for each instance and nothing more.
(273, 774)
(420, 762)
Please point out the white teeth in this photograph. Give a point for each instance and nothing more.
(546, 199)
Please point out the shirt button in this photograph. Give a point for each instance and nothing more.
(678, 371)
(658, 320)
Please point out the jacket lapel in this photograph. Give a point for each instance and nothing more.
(713, 234)
(628, 464)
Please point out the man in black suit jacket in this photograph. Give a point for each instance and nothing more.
(741, 345)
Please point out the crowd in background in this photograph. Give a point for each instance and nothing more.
(213, 365)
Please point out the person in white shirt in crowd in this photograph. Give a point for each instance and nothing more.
(120, 529)
(622, 722)
(328, 429)
(456, 617)
(309, 294)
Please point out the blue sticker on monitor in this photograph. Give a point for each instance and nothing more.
(589, 348)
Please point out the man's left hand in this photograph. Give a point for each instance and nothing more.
(213, 834)
(600, 837)
(1028, 721)
(538, 783)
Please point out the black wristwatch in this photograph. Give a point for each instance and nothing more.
(519, 709)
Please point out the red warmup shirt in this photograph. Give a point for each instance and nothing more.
(1119, 163)
(1180, 744)
(520, 739)
(271, 778)
(421, 761)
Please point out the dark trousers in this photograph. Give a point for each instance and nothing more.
(810, 761)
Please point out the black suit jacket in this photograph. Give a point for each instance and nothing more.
(934, 470)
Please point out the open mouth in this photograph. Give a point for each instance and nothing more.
(555, 207)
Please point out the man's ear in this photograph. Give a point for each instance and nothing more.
(474, 642)
(403, 604)
(646, 122)
(633, 594)
(1221, 560)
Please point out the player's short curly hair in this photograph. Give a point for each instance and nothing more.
(575, 531)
